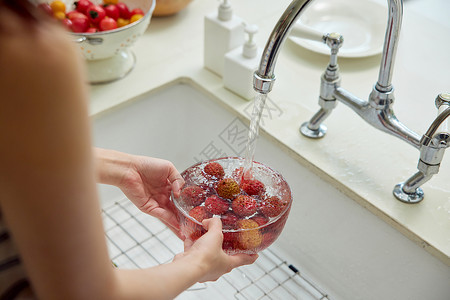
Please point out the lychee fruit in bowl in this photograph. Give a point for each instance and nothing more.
(253, 210)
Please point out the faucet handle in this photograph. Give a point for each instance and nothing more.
(334, 40)
(309, 33)
(442, 103)
(433, 145)
(441, 99)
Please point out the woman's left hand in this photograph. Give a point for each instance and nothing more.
(146, 181)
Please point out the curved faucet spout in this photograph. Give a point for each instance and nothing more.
(377, 111)
(264, 76)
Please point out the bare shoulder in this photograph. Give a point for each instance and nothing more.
(43, 93)
(36, 58)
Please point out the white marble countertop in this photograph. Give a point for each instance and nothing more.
(360, 161)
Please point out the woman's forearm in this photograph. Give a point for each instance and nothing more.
(165, 281)
(111, 166)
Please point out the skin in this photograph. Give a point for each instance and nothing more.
(49, 173)
(146, 181)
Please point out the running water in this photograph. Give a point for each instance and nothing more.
(258, 107)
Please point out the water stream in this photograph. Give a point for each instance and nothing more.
(253, 133)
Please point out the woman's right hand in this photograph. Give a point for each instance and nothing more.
(208, 253)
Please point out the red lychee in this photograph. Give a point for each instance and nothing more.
(250, 237)
(229, 241)
(272, 206)
(193, 195)
(195, 235)
(252, 187)
(216, 205)
(244, 205)
(199, 213)
(269, 238)
(228, 188)
(260, 219)
(229, 220)
(215, 170)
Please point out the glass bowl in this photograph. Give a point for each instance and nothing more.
(253, 211)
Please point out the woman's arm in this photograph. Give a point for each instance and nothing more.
(146, 181)
(48, 193)
(202, 261)
(47, 179)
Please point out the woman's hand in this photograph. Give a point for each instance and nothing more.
(148, 184)
(201, 261)
(146, 181)
(208, 253)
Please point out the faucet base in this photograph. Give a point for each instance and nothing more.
(313, 133)
(407, 197)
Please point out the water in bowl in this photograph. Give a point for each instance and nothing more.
(243, 233)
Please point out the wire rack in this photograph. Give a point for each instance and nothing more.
(136, 240)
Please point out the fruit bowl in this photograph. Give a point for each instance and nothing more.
(107, 52)
(253, 210)
(169, 7)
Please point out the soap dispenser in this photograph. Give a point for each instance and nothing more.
(223, 32)
(240, 64)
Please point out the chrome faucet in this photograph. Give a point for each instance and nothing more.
(377, 111)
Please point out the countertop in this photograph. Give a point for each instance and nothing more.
(360, 161)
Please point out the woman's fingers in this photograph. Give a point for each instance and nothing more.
(212, 224)
(238, 260)
(176, 186)
(215, 225)
(176, 181)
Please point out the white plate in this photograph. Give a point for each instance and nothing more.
(361, 22)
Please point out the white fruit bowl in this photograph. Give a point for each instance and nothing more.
(107, 52)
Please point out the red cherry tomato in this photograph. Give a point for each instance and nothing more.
(95, 13)
(80, 25)
(82, 5)
(112, 11)
(137, 11)
(92, 30)
(67, 23)
(76, 15)
(107, 24)
(123, 10)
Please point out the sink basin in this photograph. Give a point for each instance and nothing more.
(349, 252)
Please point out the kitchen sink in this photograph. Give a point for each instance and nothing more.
(340, 248)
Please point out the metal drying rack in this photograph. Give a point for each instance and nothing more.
(136, 240)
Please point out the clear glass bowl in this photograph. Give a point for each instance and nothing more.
(246, 230)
